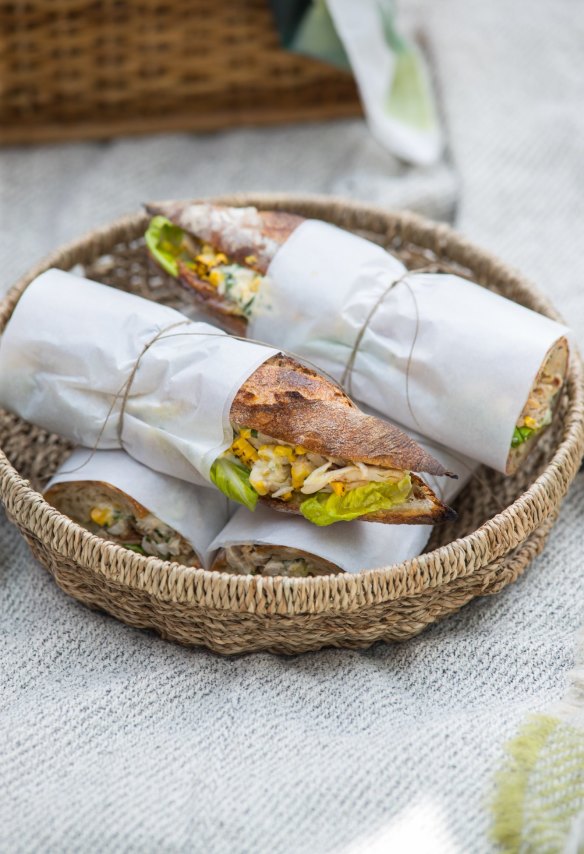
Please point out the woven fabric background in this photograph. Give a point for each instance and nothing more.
(114, 740)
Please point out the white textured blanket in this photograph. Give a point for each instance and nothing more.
(112, 739)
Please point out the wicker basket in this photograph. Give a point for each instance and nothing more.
(72, 69)
(503, 522)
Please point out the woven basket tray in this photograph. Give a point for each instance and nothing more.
(72, 69)
(503, 522)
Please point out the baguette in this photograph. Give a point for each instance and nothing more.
(300, 437)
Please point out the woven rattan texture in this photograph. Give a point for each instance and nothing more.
(503, 522)
(78, 68)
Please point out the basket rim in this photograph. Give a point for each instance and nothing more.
(345, 592)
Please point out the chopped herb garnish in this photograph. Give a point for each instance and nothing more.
(248, 306)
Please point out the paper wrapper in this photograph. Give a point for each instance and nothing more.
(352, 547)
(194, 511)
(440, 355)
(71, 344)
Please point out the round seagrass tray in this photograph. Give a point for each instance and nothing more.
(502, 523)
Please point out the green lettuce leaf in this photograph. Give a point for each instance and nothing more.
(521, 435)
(165, 242)
(233, 480)
(324, 509)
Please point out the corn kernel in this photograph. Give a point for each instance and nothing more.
(245, 432)
(250, 259)
(259, 486)
(300, 449)
(284, 451)
(529, 421)
(286, 497)
(337, 487)
(244, 450)
(215, 278)
(101, 516)
(205, 260)
(300, 471)
(209, 258)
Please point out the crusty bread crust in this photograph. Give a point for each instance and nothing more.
(291, 402)
(247, 236)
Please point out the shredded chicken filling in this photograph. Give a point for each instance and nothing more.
(279, 469)
(247, 560)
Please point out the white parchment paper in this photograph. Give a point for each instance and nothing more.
(353, 546)
(441, 355)
(71, 344)
(196, 512)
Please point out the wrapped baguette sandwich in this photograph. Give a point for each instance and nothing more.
(220, 255)
(205, 407)
(263, 543)
(255, 271)
(117, 498)
(331, 462)
(114, 515)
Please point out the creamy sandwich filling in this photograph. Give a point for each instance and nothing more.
(238, 284)
(247, 559)
(172, 246)
(146, 535)
(327, 489)
(539, 409)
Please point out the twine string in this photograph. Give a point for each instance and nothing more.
(347, 377)
(127, 387)
(122, 392)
